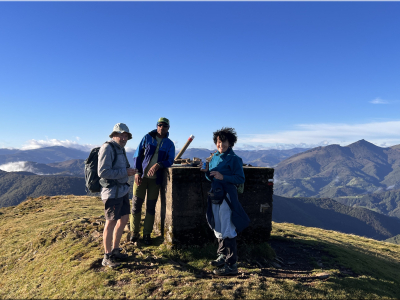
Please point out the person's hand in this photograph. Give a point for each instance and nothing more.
(217, 175)
(206, 169)
(131, 171)
(138, 179)
(153, 170)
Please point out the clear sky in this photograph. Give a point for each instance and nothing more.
(283, 74)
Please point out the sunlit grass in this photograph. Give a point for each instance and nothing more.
(51, 247)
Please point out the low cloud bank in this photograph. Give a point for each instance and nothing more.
(19, 166)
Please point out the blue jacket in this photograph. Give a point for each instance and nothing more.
(145, 151)
(231, 167)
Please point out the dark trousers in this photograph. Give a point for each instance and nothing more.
(228, 248)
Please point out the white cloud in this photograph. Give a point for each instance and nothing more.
(21, 166)
(390, 187)
(129, 149)
(311, 135)
(379, 101)
(36, 144)
(18, 166)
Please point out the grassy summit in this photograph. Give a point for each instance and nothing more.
(51, 247)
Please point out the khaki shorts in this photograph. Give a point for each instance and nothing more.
(115, 208)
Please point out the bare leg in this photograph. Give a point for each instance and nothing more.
(108, 235)
(119, 230)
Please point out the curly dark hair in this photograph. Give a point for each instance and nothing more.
(226, 133)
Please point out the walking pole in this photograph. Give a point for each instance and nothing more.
(184, 147)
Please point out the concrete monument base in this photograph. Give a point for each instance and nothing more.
(182, 204)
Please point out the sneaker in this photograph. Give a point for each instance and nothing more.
(227, 269)
(116, 253)
(109, 261)
(147, 239)
(135, 237)
(219, 262)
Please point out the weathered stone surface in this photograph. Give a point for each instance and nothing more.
(182, 204)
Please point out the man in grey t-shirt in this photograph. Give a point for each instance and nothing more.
(113, 170)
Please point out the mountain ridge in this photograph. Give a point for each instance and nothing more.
(335, 171)
(59, 154)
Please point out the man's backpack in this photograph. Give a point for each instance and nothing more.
(92, 179)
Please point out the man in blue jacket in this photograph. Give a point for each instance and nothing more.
(154, 153)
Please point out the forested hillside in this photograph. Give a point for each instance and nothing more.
(332, 215)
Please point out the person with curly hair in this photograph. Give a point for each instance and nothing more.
(225, 215)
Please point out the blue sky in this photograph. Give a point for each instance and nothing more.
(284, 74)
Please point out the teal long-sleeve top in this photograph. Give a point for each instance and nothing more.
(229, 165)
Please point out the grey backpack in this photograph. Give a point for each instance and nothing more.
(92, 179)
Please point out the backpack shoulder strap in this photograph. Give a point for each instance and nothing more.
(127, 161)
(115, 153)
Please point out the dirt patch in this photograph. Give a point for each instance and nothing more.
(118, 283)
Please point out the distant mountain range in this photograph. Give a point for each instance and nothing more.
(258, 158)
(334, 171)
(48, 160)
(68, 161)
(15, 187)
(42, 155)
(358, 175)
(385, 202)
(62, 165)
(332, 215)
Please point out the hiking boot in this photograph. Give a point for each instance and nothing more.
(109, 261)
(147, 239)
(226, 270)
(116, 253)
(219, 262)
(135, 237)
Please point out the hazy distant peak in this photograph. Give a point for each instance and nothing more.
(363, 143)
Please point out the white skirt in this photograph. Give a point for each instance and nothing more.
(224, 227)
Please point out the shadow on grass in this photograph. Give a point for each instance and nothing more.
(348, 269)
(355, 269)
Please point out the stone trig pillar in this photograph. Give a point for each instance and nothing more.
(182, 205)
